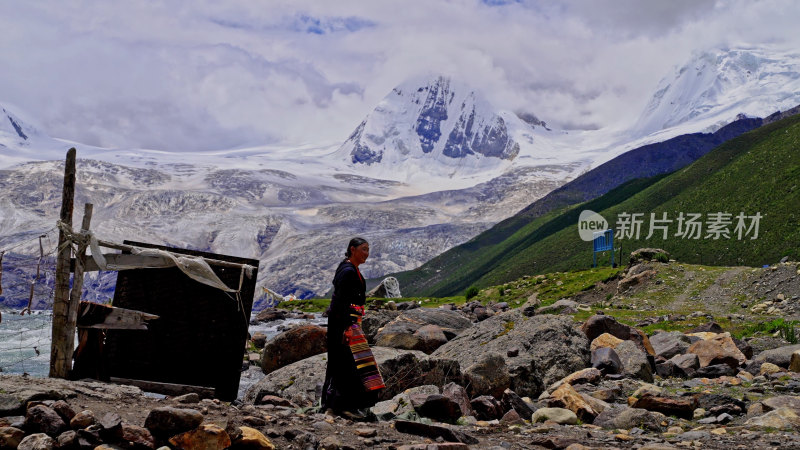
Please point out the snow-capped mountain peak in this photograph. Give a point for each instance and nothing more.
(14, 127)
(433, 121)
(717, 85)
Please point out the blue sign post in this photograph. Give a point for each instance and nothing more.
(603, 241)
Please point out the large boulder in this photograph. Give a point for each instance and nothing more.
(719, 349)
(780, 356)
(599, 324)
(778, 419)
(450, 322)
(426, 338)
(374, 320)
(623, 417)
(550, 348)
(634, 362)
(293, 345)
(401, 369)
(669, 343)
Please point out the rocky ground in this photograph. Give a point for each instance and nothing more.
(650, 359)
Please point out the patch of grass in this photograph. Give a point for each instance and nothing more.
(786, 328)
(307, 305)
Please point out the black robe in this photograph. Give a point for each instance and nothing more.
(343, 389)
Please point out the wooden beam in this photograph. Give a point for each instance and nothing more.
(63, 339)
(166, 388)
(130, 248)
(145, 262)
(95, 315)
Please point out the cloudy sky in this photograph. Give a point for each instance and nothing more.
(205, 74)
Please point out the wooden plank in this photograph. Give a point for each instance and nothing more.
(94, 315)
(146, 262)
(130, 248)
(166, 388)
(63, 340)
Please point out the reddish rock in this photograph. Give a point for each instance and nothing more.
(137, 437)
(486, 407)
(10, 437)
(671, 406)
(82, 420)
(567, 397)
(252, 439)
(719, 349)
(458, 394)
(63, 409)
(168, 421)
(207, 436)
(41, 419)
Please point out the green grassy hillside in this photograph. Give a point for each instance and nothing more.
(758, 172)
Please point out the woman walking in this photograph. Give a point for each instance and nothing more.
(352, 379)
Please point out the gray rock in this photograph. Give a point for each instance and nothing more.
(37, 441)
(434, 432)
(375, 320)
(562, 306)
(513, 401)
(550, 349)
(780, 419)
(430, 337)
(670, 343)
(634, 361)
(451, 322)
(626, 418)
(780, 356)
(693, 435)
(10, 405)
(606, 360)
(558, 415)
(715, 371)
(685, 365)
(782, 401)
(293, 345)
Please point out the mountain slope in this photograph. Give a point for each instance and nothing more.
(643, 162)
(757, 173)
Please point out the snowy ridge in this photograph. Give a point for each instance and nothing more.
(715, 87)
(437, 126)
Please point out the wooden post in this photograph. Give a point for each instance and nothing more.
(63, 339)
(77, 279)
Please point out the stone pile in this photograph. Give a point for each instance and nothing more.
(40, 420)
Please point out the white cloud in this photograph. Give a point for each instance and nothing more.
(206, 75)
